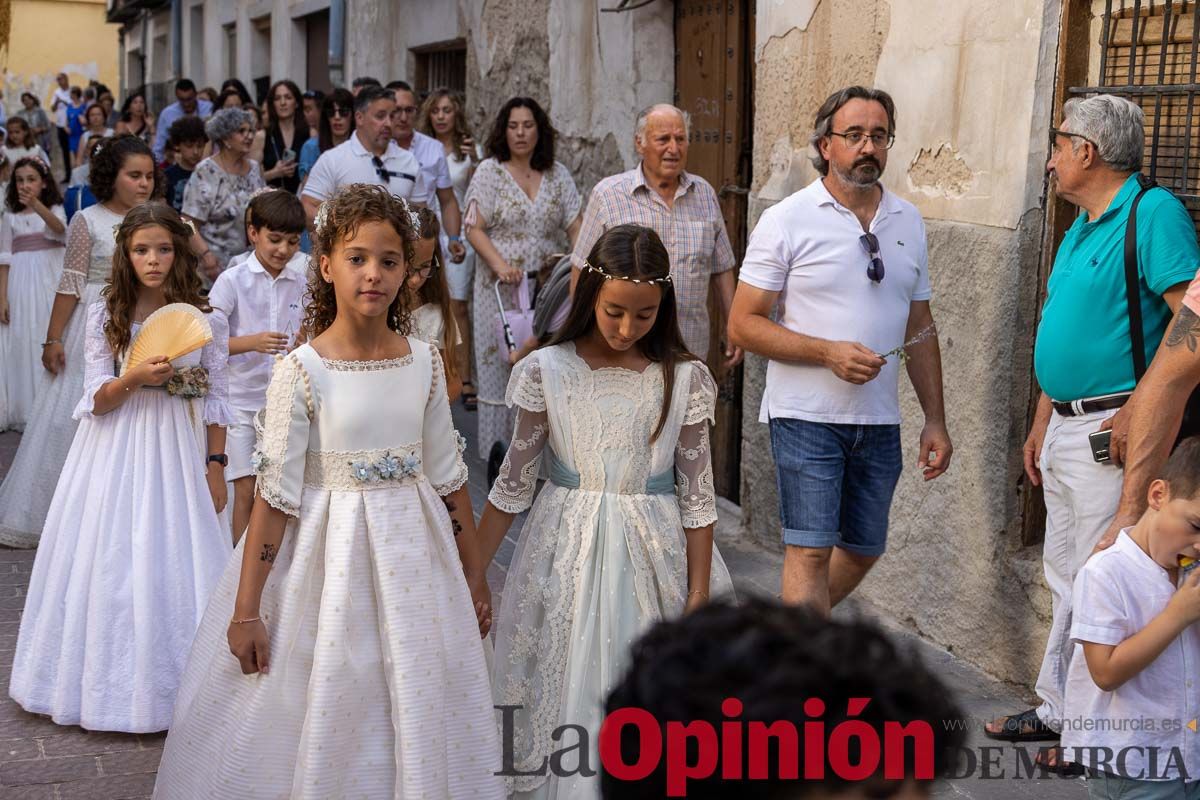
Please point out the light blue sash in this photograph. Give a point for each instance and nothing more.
(564, 476)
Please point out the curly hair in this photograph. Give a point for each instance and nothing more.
(107, 162)
(50, 195)
(338, 220)
(542, 157)
(774, 660)
(121, 292)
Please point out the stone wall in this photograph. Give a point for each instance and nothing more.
(972, 80)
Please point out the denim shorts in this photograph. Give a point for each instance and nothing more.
(836, 483)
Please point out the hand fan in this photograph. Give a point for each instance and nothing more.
(173, 331)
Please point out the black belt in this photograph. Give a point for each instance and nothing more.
(1078, 407)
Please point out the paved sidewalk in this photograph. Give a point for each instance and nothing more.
(43, 761)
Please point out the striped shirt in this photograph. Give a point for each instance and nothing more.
(693, 231)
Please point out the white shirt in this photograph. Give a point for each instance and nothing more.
(807, 248)
(60, 113)
(252, 301)
(1116, 594)
(435, 172)
(350, 162)
(429, 326)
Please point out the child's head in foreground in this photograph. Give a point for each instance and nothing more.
(1172, 517)
(274, 223)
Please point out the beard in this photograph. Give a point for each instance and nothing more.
(863, 174)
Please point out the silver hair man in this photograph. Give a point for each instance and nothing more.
(643, 118)
(1114, 125)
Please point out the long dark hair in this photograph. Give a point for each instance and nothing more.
(240, 88)
(634, 252)
(28, 140)
(435, 289)
(121, 292)
(127, 106)
(338, 98)
(50, 194)
(110, 158)
(542, 157)
(297, 118)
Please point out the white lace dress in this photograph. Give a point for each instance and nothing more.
(377, 685)
(129, 554)
(27, 489)
(595, 565)
(34, 255)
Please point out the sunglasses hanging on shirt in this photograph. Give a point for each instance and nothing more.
(875, 266)
(386, 175)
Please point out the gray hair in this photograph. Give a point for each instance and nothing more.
(1115, 125)
(226, 122)
(643, 119)
(823, 124)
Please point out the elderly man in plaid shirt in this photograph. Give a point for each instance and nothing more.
(682, 209)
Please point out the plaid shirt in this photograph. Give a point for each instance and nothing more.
(693, 232)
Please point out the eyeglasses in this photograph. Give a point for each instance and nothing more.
(409, 110)
(875, 267)
(1056, 132)
(856, 139)
(386, 175)
(426, 270)
(340, 112)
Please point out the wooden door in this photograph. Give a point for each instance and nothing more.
(714, 84)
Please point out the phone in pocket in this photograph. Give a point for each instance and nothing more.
(1100, 442)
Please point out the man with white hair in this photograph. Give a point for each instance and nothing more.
(1084, 358)
(682, 209)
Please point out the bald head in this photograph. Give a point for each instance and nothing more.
(662, 142)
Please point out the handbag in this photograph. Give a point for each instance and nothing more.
(514, 326)
(1190, 424)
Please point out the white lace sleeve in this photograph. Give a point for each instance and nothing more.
(693, 456)
(517, 481)
(283, 436)
(442, 446)
(77, 257)
(6, 238)
(215, 358)
(98, 366)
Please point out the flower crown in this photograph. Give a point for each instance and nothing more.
(322, 217)
(608, 276)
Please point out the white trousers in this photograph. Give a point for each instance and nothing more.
(1081, 500)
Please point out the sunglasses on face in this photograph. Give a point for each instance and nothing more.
(875, 268)
(339, 112)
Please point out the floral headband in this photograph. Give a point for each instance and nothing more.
(322, 217)
(608, 276)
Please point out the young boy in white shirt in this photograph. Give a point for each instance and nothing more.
(1133, 689)
(262, 296)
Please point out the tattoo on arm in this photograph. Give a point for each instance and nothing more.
(457, 526)
(268, 553)
(451, 507)
(1186, 330)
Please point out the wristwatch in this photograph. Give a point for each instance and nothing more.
(220, 458)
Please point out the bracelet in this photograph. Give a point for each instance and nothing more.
(455, 239)
(49, 342)
(244, 621)
(697, 591)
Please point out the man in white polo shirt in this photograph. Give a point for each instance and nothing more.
(369, 156)
(848, 260)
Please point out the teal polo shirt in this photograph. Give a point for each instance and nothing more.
(1083, 348)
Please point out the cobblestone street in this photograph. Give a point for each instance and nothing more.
(43, 761)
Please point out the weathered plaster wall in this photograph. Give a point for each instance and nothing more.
(971, 80)
(591, 71)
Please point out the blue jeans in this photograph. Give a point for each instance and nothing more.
(1103, 786)
(836, 483)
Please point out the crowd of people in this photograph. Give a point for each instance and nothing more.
(265, 543)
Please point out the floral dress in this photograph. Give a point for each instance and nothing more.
(525, 232)
(603, 555)
(217, 201)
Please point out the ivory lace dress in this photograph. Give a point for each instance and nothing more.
(603, 554)
(27, 489)
(377, 685)
(131, 549)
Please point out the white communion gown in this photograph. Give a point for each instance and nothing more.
(129, 554)
(377, 685)
(35, 257)
(29, 485)
(603, 553)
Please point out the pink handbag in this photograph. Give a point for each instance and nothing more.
(514, 326)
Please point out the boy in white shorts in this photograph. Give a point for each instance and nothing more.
(1133, 690)
(262, 296)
